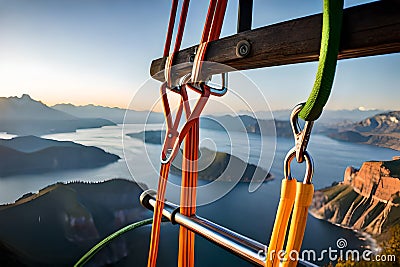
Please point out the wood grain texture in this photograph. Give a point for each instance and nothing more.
(368, 30)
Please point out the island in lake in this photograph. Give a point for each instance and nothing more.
(212, 165)
(31, 154)
(223, 167)
(151, 137)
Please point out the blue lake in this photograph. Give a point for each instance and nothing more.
(251, 214)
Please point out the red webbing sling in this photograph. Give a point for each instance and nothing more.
(212, 29)
(164, 170)
(190, 132)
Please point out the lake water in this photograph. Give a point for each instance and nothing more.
(251, 214)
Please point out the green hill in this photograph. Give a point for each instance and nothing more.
(60, 223)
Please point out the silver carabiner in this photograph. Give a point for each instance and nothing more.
(309, 166)
(199, 86)
(220, 91)
(301, 137)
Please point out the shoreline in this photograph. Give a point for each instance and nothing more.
(371, 242)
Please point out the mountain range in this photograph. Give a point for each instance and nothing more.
(116, 115)
(381, 130)
(26, 116)
(328, 117)
(246, 123)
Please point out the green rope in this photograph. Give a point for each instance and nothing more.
(85, 258)
(330, 41)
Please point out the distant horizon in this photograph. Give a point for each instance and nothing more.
(80, 52)
(362, 109)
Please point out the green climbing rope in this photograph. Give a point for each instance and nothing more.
(330, 41)
(85, 258)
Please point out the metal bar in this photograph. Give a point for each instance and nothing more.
(245, 15)
(242, 246)
(369, 29)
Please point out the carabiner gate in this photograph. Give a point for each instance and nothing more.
(201, 86)
(301, 137)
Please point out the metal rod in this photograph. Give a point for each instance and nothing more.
(242, 246)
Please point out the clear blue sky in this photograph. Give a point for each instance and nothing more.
(99, 51)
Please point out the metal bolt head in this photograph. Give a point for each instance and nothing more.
(243, 48)
(191, 57)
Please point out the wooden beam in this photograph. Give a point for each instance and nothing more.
(368, 30)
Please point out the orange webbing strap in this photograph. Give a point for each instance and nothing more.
(188, 194)
(170, 139)
(211, 32)
(212, 29)
(170, 148)
(288, 194)
(189, 177)
(304, 196)
(301, 194)
(178, 41)
(172, 129)
(157, 215)
(170, 30)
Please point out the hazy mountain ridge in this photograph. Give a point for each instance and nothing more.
(331, 117)
(26, 116)
(381, 130)
(246, 123)
(56, 226)
(368, 199)
(114, 114)
(25, 108)
(30, 154)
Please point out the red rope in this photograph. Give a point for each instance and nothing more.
(209, 19)
(157, 216)
(171, 130)
(218, 20)
(181, 26)
(211, 32)
(190, 131)
(178, 42)
(170, 30)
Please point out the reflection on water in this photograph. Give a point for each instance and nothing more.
(250, 213)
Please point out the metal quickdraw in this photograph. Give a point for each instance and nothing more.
(174, 138)
(295, 197)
